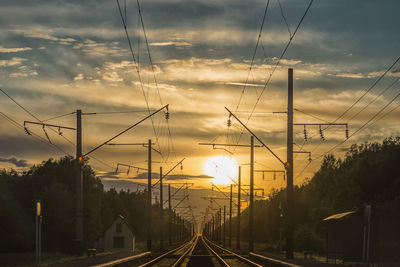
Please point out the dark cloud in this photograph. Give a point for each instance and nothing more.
(396, 71)
(16, 162)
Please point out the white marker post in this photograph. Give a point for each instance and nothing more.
(38, 232)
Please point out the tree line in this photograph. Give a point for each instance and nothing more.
(369, 173)
(53, 183)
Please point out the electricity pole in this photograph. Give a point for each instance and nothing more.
(79, 187)
(161, 212)
(224, 233)
(220, 226)
(289, 169)
(149, 198)
(230, 218)
(238, 211)
(170, 216)
(251, 213)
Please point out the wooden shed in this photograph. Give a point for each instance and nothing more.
(119, 236)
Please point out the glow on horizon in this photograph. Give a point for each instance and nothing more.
(224, 169)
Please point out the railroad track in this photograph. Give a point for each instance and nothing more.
(199, 251)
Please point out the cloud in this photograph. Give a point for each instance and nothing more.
(79, 77)
(37, 34)
(100, 49)
(23, 71)
(14, 50)
(112, 77)
(12, 62)
(15, 161)
(171, 43)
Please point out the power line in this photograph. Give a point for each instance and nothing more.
(311, 115)
(376, 97)
(39, 138)
(369, 89)
(284, 18)
(124, 21)
(365, 124)
(59, 116)
(366, 92)
(275, 66)
(254, 54)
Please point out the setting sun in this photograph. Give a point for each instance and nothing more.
(222, 168)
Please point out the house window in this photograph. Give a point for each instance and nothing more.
(118, 228)
(119, 242)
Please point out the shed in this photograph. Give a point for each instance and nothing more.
(350, 236)
(119, 236)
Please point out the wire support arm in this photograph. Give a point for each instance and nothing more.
(256, 137)
(49, 125)
(124, 131)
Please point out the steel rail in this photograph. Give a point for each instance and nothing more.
(190, 249)
(243, 259)
(153, 261)
(219, 258)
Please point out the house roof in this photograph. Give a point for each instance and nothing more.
(124, 221)
(339, 216)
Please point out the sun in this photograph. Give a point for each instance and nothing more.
(224, 169)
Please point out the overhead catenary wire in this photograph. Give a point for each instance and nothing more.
(364, 125)
(369, 89)
(284, 17)
(42, 139)
(124, 21)
(254, 54)
(358, 100)
(38, 137)
(275, 66)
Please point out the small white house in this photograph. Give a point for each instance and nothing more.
(119, 236)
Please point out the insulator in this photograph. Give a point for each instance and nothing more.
(347, 132)
(284, 176)
(263, 193)
(305, 133)
(59, 131)
(128, 170)
(167, 115)
(229, 123)
(321, 133)
(27, 131)
(263, 176)
(116, 170)
(137, 171)
(181, 166)
(309, 157)
(274, 175)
